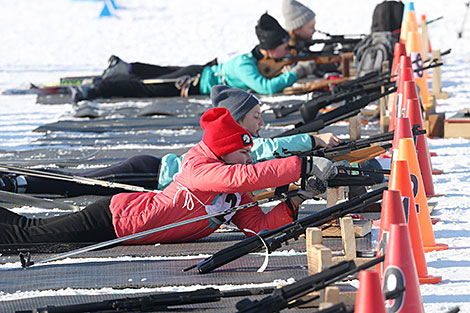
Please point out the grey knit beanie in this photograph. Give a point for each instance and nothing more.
(295, 14)
(237, 101)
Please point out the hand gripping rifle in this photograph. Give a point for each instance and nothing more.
(273, 239)
(157, 302)
(288, 296)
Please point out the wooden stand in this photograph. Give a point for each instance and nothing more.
(355, 129)
(320, 257)
(436, 89)
(458, 125)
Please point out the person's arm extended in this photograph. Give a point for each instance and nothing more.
(246, 71)
(264, 148)
(217, 176)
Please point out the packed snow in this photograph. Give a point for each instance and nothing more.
(44, 40)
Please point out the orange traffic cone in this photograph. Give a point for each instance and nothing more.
(408, 22)
(414, 49)
(399, 50)
(400, 272)
(400, 179)
(413, 111)
(405, 73)
(403, 130)
(406, 151)
(392, 213)
(369, 297)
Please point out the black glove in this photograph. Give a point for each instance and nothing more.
(301, 196)
(316, 186)
(304, 68)
(318, 167)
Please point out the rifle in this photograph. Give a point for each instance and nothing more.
(349, 109)
(270, 68)
(337, 39)
(273, 239)
(288, 296)
(346, 147)
(157, 302)
(324, 100)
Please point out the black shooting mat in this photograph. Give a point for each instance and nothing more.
(147, 272)
(171, 107)
(149, 138)
(100, 125)
(226, 304)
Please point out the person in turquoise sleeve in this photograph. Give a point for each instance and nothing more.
(123, 79)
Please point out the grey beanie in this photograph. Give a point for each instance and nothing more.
(237, 101)
(295, 14)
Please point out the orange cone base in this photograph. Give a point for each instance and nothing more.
(429, 279)
(387, 155)
(436, 247)
(435, 220)
(437, 172)
(433, 196)
(432, 154)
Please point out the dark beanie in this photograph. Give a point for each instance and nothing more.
(222, 134)
(237, 101)
(270, 33)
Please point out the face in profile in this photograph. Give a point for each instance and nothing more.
(307, 30)
(279, 52)
(240, 156)
(252, 121)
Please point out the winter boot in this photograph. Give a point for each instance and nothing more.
(13, 183)
(116, 66)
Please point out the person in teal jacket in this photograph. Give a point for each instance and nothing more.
(123, 79)
(154, 173)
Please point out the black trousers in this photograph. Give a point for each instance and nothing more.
(141, 170)
(92, 224)
(132, 86)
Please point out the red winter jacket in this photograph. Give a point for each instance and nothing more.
(205, 185)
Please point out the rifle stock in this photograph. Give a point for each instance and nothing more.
(270, 68)
(274, 238)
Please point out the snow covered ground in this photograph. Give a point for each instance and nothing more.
(43, 40)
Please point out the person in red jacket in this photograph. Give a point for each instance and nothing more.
(216, 174)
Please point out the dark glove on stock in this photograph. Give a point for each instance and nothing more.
(304, 68)
(318, 167)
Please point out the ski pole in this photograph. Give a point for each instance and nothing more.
(460, 33)
(25, 258)
(76, 179)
